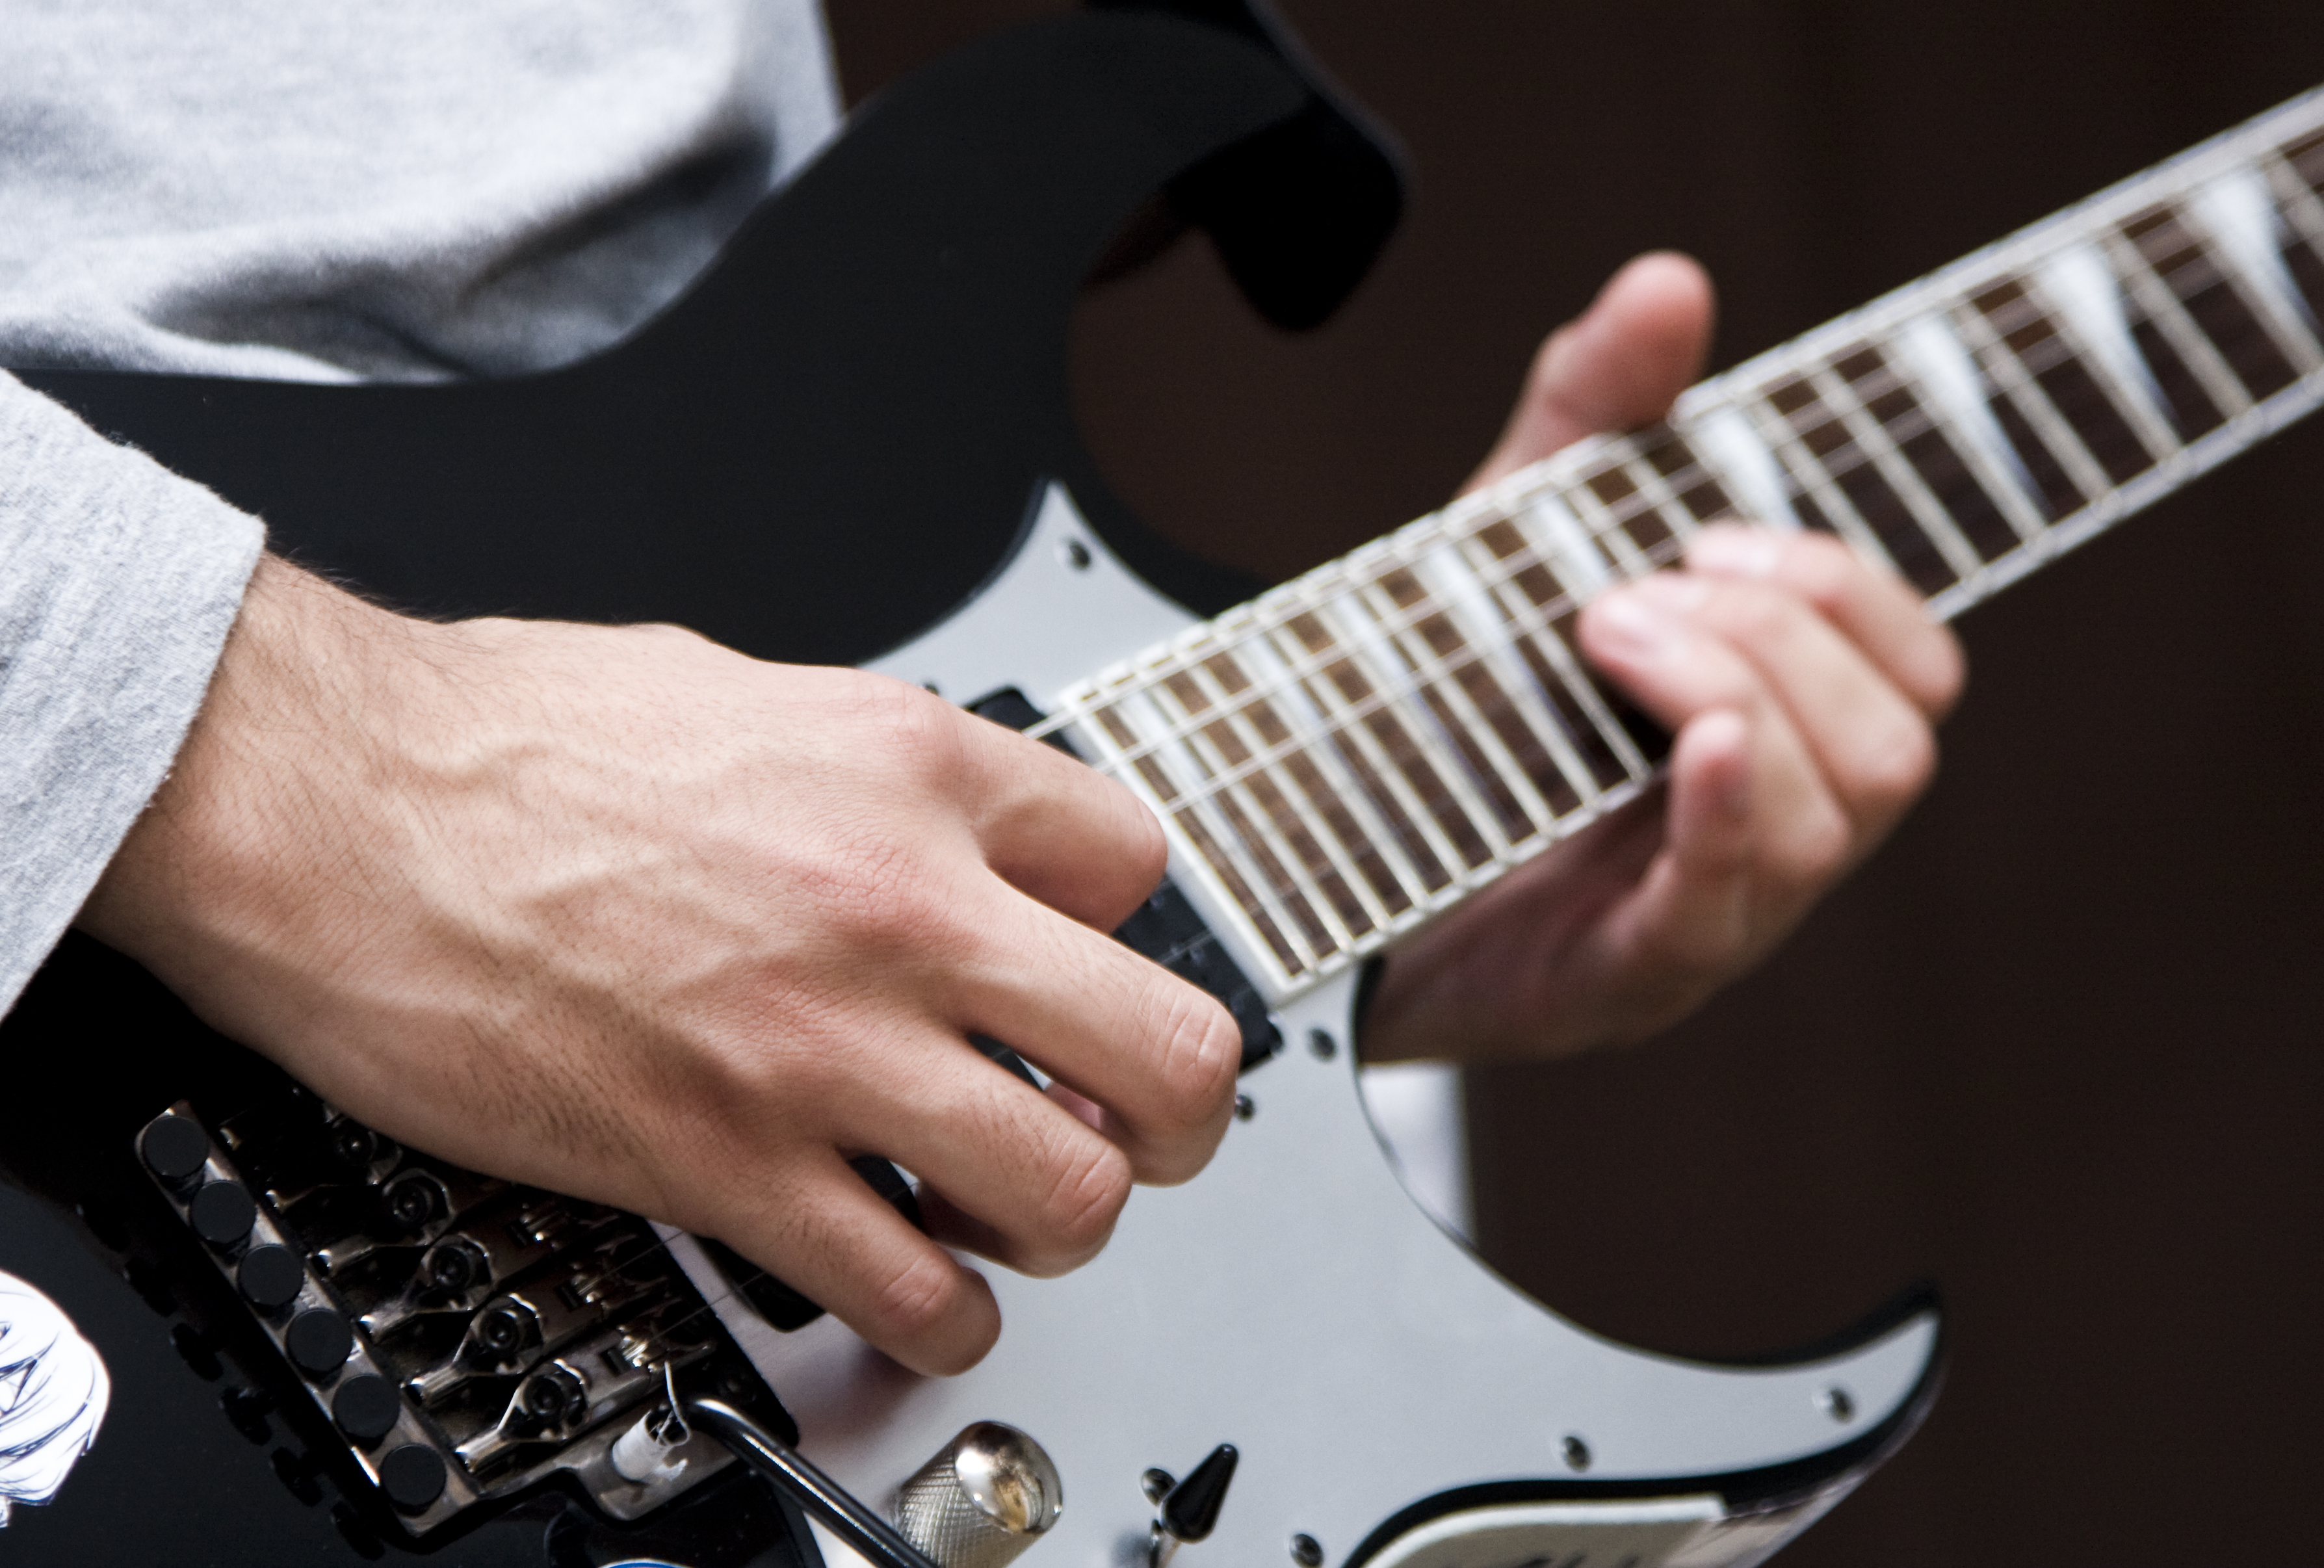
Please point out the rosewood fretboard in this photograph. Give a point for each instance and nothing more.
(1366, 744)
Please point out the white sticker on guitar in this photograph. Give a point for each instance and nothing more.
(53, 1391)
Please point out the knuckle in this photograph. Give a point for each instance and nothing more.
(1200, 1050)
(1816, 850)
(1753, 616)
(1146, 848)
(671, 632)
(915, 1301)
(916, 730)
(1948, 673)
(1821, 567)
(1079, 1211)
(881, 896)
(1894, 768)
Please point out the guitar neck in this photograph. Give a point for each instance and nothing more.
(1364, 746)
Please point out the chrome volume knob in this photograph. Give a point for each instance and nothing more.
(987, 1495)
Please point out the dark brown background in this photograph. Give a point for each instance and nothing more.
(2056, 1046)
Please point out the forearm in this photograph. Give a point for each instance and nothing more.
(118, 583)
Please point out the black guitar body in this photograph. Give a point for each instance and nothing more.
(833, 439)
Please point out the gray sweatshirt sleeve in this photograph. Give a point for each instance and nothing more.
(118, 582)
(415, 191)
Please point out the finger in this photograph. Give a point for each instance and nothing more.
(1615, 367)
(1026, 1182)
(1690, 916)
(1875, 609)
(1871, 744)
(1061, 832)
(1159, 1055)
(833, 1239)
(1642, 636)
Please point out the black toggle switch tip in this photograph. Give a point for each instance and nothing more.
(1191, 1511)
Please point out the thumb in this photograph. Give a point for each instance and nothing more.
(1616, 366)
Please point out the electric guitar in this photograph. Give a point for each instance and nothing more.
(258, 1331)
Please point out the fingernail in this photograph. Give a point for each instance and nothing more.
(1634, 626)
(1735, 552)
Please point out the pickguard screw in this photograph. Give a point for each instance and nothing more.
(1077, 555)
(1577, 1454)
(1837, 1404)
(1245, 1108)
(1323, 1047)
(1157, 1484)
(1307, 1550)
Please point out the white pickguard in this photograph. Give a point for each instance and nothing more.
(1294, 1301)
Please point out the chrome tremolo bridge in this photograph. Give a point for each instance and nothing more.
(466, 1338)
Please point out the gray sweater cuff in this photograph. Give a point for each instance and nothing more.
(118, 583)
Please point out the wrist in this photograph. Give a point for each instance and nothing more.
(289, 734)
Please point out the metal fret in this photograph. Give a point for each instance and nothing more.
(1811, 481)
(1854, 486)
(2302, 212)
(2086, 313)
(1669, 457)
(2032, 401)
(1935, 450)
(1451, 577)
(1605, 531)
(2214, 299)
(1513, 809)
(2234, 213)
(1525, 570)
(2164, 308)
(1257, 860)
(1464, 815)
(1305, 835)
(2061, 364)
(1837, 391)
(1114, 736)
(2298, 202)
(1400, 882)
(1567, 542)
(1946, 374)
(1369, 751)
(1749, 464)
(1642, 495)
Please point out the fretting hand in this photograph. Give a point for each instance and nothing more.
(622, 913)
(1801, 686)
